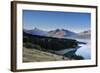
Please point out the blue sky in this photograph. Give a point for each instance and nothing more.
(51, 20)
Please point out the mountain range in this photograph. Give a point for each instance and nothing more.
(59, 33)
(36, 31)
(84, 34)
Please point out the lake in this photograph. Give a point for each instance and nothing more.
(83, 50)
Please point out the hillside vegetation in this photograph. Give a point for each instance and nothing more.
(48, 43)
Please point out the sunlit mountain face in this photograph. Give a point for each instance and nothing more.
(59, 33)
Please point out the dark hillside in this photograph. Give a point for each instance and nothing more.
(49, 43)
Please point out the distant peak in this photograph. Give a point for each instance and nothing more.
(35, 28)
(57, 29)
(62, 29)
(87, 31)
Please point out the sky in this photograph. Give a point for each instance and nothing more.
(51, 20)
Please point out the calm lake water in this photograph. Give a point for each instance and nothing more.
(83, 50)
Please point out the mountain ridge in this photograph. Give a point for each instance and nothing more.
(59, 33)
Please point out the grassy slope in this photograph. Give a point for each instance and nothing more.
(33, 55)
